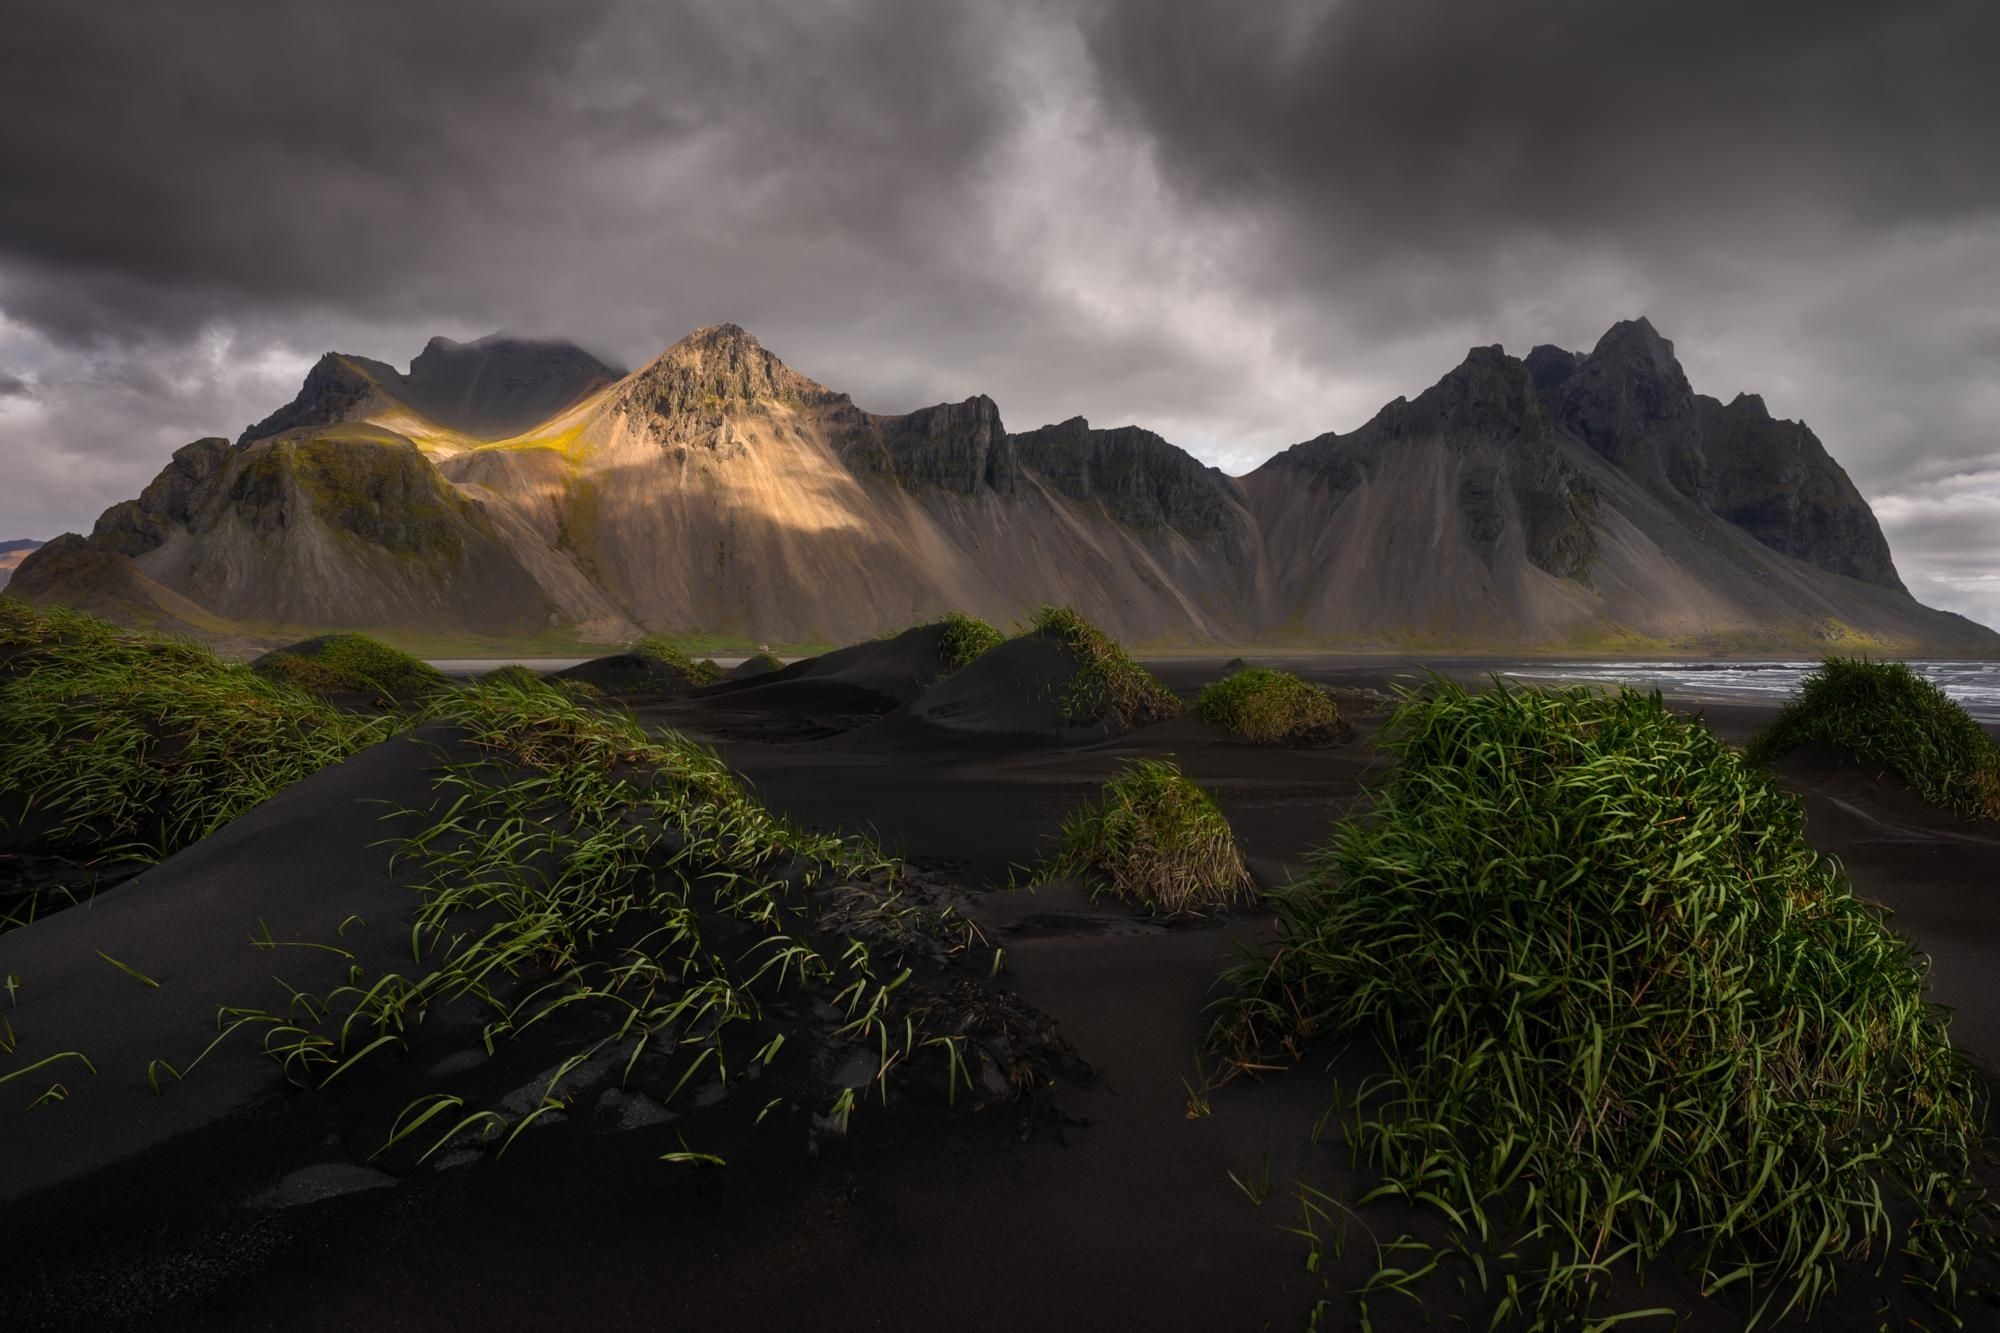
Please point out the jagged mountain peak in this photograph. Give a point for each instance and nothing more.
(1633, 348)
(337, 388)
(1635, 332)
(500, 385)
(723, 344)
(1487, 392)
(502, 345)
(727, 332)
(1631, 401)
(490, 388)
(717, 368)
(1551, 365)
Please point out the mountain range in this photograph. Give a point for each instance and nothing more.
(516, 488)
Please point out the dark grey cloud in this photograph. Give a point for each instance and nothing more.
(12, 386)
(1241, 224)
(188, 160)
(1687, 130)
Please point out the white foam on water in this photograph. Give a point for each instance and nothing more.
(1975, 686)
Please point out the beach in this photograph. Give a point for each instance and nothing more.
(1115, 1198)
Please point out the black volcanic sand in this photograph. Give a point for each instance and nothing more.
(1102, 1204)
(628, 676)
(832, 692)
(1014, 691)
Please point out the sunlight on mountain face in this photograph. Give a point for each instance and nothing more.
(1538, 502)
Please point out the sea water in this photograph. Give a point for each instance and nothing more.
(1974, 685)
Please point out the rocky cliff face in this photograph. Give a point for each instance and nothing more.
(1774, 480)
(961, 448)
(1588, 500)
(1630, 401)
(1141, 481)
(1138, 479)
(337, 388)
(335, 525)
(170, 501)
(1503, 470)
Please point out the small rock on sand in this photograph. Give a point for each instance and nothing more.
(620, 1110)
(325, 1180)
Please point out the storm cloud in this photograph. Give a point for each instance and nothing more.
(1241, 225)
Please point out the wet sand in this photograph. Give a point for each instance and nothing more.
(1103, 1205)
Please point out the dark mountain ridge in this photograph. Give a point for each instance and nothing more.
(490, 388)
(1561, 499)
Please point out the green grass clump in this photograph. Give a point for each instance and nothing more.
(764, 662)
(1267, 705)
(670, 653)
(1155, 839)
(512, 673)
(350, 662)
(136, 745)
(1108, 684)
(1623, 1005)
(965, 638)
(1887, 714)
(575, 864)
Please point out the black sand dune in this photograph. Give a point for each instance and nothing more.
(863, 679)
(1102, 1203)
(1938, 873)
(629, 676)
(1014, 690)
(752, 667)
(292, 870)
(1018, 693)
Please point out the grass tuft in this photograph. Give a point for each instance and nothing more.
(622, 892)
(130, 746)
(1156, 840)
(1109, 686)
(1623, 1005)
(350, 662)
(671, 653)
(965, 638)
(1266, 705)
(1887, 714)
(511, 674)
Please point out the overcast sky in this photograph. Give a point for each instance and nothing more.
(1240, 224)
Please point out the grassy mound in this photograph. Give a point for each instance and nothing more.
(1157, 840)
(1623, 1004)
(965, 637)
(761, 664)
(1267, 705)
(132, 746)
(1887, 714)
(336, 663)
(619, 893)
(1108, 685)
(511, 673)
(671, 653)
